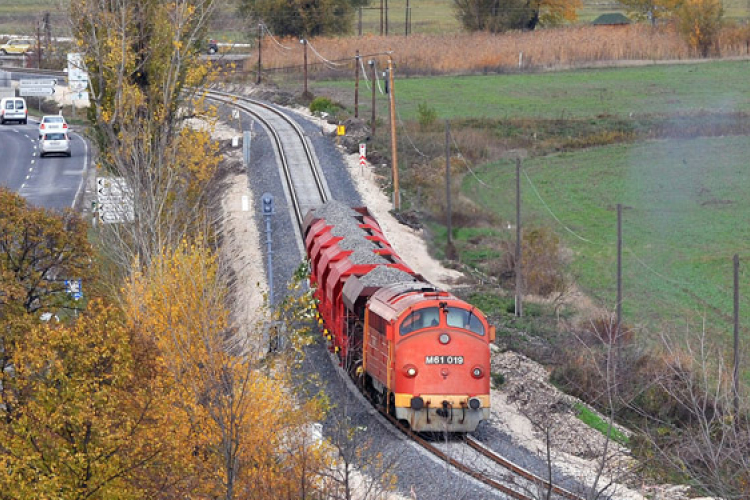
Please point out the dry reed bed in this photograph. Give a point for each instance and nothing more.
(483, 52)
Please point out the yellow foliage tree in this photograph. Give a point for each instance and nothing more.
(242, 410)
(84, 414)
(699, 22)
(145, 71)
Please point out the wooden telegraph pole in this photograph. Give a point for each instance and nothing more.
(448, 221)
(394, 148)
(519, 255)
(260, 40)
(304, 44)
(374, 84)
(736, 374)
(381, 17)
(618, 318)
(356, 85)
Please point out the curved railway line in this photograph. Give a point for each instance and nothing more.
(306, 188)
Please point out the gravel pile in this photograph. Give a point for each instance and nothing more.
(384, 276)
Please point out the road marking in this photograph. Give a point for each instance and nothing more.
(27, 177)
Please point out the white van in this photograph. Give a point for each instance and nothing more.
(13, 109)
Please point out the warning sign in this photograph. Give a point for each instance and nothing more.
(363, 155)
(340, 130)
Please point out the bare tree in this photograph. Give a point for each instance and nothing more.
(144, 66)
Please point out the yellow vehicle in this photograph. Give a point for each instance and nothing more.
(17, 46)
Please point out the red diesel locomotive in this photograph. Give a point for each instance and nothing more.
(419, 351)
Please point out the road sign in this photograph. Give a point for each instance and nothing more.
(77, 96)
(363, 155)
(74, 288)
(37, 83)
(115, 200)
(340, 130)
(77, 85)
(35, 91)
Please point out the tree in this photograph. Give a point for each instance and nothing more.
(301, 18)
(39, 250)
(144, 66)
(502, 15)
(84, 413)
(651, 9)
(240, 404)
(700, 21)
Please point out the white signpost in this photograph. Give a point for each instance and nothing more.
(40, 87)
(78, 78)
(115, 200)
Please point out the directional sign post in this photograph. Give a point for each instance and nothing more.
(115, 200)
(38, 87)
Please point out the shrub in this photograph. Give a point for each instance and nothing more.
(498, 380)
(323, 105)
(543, 264)
(426, 115)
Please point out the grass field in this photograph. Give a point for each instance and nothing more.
(427, 16)
(672, 89)
(685, 211)
(686, 201)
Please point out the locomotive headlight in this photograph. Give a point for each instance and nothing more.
(410, 370)
(477, 372)
(444, 338)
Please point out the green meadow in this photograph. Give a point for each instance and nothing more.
(685, 214)
(686, 201)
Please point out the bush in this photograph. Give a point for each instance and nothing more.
(498, 379)
(323, 105)
(426, 115)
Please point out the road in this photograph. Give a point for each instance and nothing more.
(51, 182)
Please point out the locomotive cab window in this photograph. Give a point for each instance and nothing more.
(419, 319)
(461, 318)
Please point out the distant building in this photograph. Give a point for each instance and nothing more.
(612, 19)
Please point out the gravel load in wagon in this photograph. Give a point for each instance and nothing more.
(335, 212)
(384, 276)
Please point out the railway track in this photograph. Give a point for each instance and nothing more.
(303, 180)
(486, 466)
(306, 188)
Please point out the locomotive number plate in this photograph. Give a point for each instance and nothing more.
(443, 360)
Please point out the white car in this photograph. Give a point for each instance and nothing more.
(54, 142)
(13, 109)
(52, 123)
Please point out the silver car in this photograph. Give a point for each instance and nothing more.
(54, 142)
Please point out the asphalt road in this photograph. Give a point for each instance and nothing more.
(53, 181)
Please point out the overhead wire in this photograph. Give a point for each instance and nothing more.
(327, 61)
(265, 28)
(406, 133)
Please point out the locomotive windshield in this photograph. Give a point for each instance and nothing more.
(461, 318)
(419, 319)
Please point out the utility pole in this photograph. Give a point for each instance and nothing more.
(736, 379)
(618, 318)
(304, 44)
(386, 17)
(381, 17)
(518, 255)
(38, 48)
(260, 41)
(374, 84)
(356, 83)
(406, 19)
(449, 222)
(394, 146)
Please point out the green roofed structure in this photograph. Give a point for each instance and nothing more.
(612, 19)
